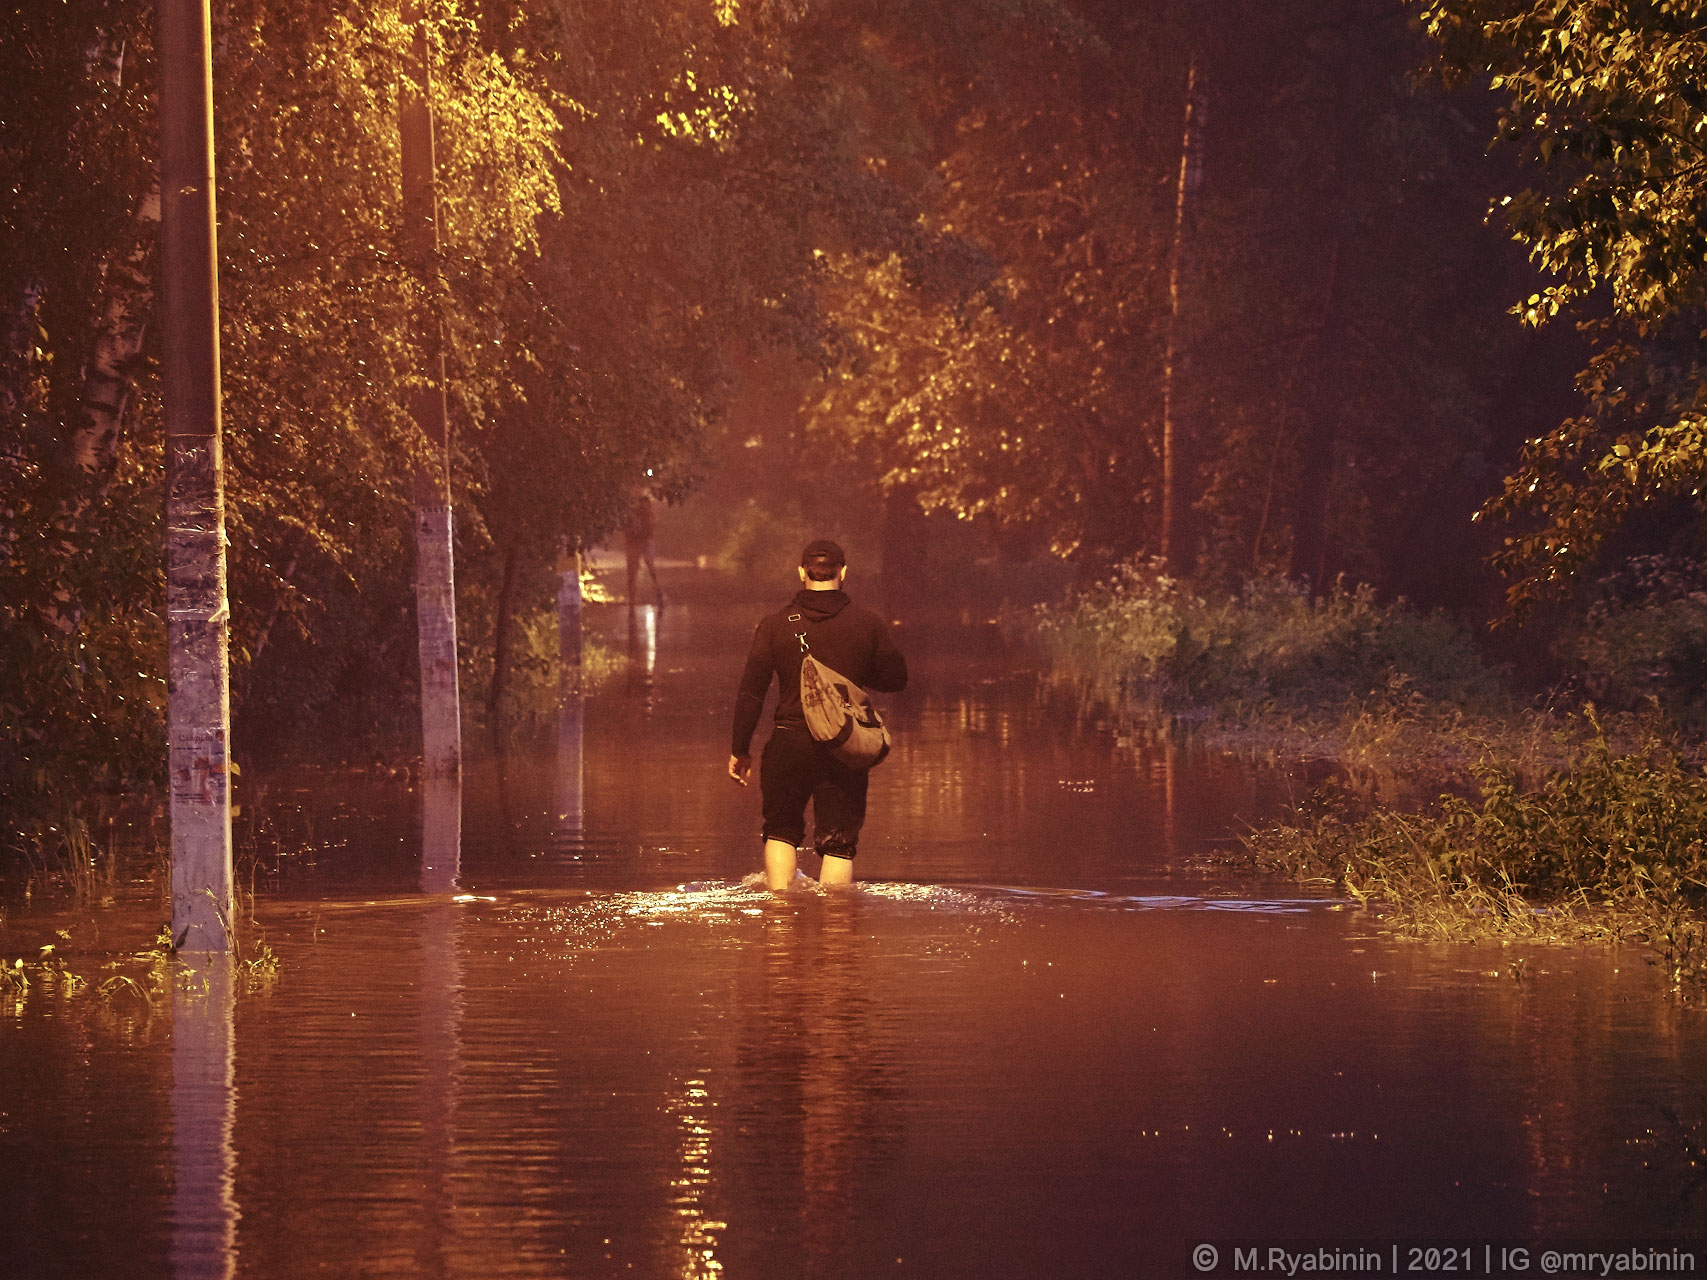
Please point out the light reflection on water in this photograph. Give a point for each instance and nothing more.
(1033, 1042)
(978, 1080)
(204, 1099)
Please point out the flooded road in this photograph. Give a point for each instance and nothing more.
(1040, 1040)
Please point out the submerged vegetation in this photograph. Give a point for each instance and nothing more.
(145, 977)
(1378, 687)
(1544, 826)
(1265, 648)
(1610, 849)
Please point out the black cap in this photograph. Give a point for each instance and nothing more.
(821, 553)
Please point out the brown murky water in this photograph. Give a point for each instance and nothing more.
(1039, 1041)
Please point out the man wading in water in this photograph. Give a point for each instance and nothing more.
(796, 767)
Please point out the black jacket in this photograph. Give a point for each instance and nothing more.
(843, 636)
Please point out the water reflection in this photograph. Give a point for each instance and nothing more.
(204, 1107)
(816, 1084)
(991, 1081)
(1170, 794)
(696, 1228)
(568, 800)
(642, 649)
(570, 806)
(1070, 1059)
(439, 972)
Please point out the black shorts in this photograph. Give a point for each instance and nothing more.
(796, 768)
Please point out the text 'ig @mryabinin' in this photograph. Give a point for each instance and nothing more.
(1450, 1260)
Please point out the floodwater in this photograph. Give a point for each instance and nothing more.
(1045, 1037)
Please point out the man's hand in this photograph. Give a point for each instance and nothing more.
(740, 767)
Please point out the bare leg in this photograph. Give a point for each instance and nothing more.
(779, 864)
(836, 870)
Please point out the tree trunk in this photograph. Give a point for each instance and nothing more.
(435, 586)
(266, 631)
(107, 378)
(906, 552)
(1310, 517)
(109, 373)
(18, 354)
(1177, 549)
(111, 370)
(197, 619)
(103, 58)
(501, 641)
(128, 294)
(17, 359)
(1316, 447)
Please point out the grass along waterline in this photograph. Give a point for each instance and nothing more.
(1457, 810)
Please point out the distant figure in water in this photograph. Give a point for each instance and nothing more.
(638, 535)
(796, 767)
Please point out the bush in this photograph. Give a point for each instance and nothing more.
(764, 543)
(83, 698)
(1615, 846)
(1268, 646)
(1645, 638)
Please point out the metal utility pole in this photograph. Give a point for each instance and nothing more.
(435, 577)
(441, 724)
(1176, 440)
(197, 620)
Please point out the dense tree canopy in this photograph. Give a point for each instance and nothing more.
(1605, 100)
(1026, 393)
(961, 217)
(631, 198)
(1340, 326)
(317, 291)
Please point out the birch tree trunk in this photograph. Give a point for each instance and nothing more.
(197, 620)
(435, 585)
(108, 375)
(1176, 438)
(111, 371)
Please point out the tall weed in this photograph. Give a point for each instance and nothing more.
(1613, 848)
(1268, 647)
(1644, 639)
